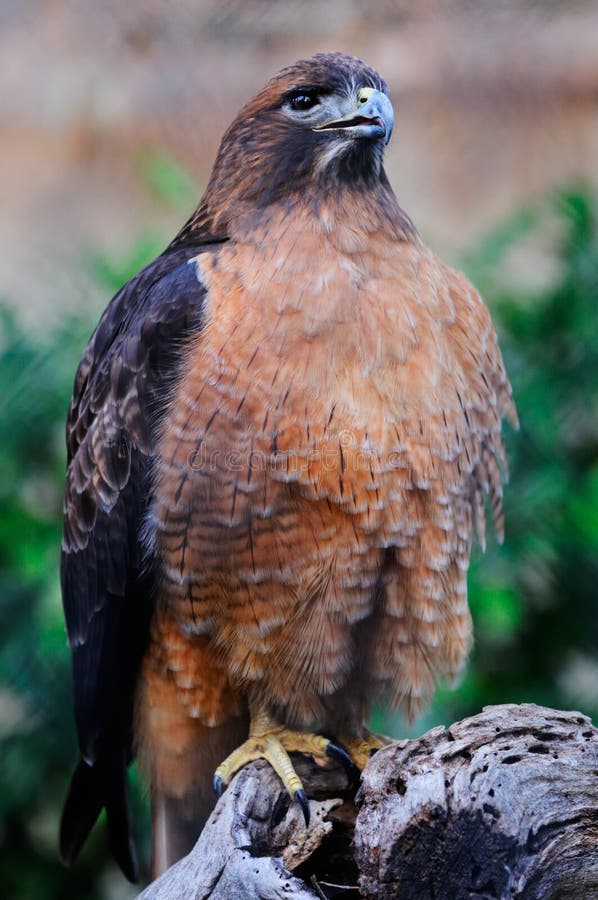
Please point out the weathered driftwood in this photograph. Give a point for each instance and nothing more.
(501, 805)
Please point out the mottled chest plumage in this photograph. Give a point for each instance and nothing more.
(291, 417)
(320, 463)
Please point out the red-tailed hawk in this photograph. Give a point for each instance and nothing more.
(279, 442)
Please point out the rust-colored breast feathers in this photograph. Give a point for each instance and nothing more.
(323, 463)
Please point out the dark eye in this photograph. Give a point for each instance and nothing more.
(301, 102)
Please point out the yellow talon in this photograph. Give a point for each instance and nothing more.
(273, 742)
(361, 749)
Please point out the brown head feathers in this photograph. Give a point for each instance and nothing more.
(281, 147)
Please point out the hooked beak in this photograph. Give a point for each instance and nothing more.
(372, 118)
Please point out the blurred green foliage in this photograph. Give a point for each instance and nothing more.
(533, 600)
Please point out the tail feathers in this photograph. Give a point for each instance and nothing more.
(182, 795)
(92, 788)
(176, 825)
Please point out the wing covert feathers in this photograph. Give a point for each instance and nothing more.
(120, 391)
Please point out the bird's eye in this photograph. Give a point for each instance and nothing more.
(301, 102)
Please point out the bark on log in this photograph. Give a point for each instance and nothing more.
(501, 805)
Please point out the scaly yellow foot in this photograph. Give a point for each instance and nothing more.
(362, 748)
(273, 742)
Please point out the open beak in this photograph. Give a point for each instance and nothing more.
(372, 118)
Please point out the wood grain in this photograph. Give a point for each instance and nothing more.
(501, 805)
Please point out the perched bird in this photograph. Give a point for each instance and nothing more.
(280, 438)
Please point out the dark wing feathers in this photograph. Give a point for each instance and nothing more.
(121, 387)
(91, 789)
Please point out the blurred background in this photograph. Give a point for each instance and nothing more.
(110, 117)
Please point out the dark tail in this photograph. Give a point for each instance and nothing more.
(91, 789)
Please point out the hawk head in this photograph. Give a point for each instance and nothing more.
(318, 126)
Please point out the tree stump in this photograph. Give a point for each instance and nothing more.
(501, 805)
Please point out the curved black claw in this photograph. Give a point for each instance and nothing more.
(335, 751)
(218, 785)
(303, 803)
